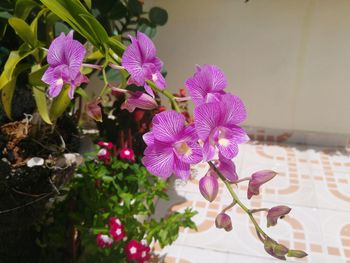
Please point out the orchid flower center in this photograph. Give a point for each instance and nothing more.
(218, 136)
(182, 148)
(59, 82)
(154, 77)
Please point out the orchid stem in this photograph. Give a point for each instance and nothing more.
(105, 80)
(238, 201)
(228, 207)
(259, 210)
(167, 94)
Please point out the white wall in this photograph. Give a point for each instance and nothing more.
(288, 59)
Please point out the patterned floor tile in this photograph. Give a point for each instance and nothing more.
(313, 181)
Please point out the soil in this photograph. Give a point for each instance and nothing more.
(24, 191)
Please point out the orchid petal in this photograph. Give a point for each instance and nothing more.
(206, 118)
(146, 46)
(233, 109)
(159, 160)
(208, 151)
(181, 169)
(148, 138)
(227, 168)
(206, 84)
(167, 125)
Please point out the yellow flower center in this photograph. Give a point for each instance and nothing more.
(183, 149)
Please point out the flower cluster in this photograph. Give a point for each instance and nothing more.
(134, 250)
(107, 151)
(174, 144)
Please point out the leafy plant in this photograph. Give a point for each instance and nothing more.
(121, 189)
(27, 27)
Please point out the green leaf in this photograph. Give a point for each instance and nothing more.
(23, 30)
(40, 100)
(82, 93)
(61, 27)
(95, 27)
(5, 15)
(9, 89)
(88, 3)
(35, 76)
(135, 7)
(24, 7)
(75, 14)
(148, 30)
(118, 11)
(60, 103)
(158, 16)
(14, 58)
(116, 46)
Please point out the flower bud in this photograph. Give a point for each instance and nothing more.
(257, 179)
(296, 253)
(276, 212)
(274, 249)
(223, 220)
(209, 187)
(93, 110)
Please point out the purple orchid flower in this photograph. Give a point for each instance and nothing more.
(207, 84)
(217, 126)
(171, 146)
(65, 58)
(140, 60)
(139, 100)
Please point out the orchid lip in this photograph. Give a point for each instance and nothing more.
(182, 148)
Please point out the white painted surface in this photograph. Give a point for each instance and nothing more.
(288, 59)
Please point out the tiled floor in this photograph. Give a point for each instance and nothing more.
(313, 181)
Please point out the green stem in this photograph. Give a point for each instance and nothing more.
(237, 200)
(166, 93)
(105, 80)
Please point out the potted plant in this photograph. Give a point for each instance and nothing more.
(39, 133)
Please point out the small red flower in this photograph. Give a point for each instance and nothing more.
(133, 250)
(117, 232)
(127, 154)
(104, 155)
(103, 240)
(114, 221)
(107, 145)
(145, 253)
